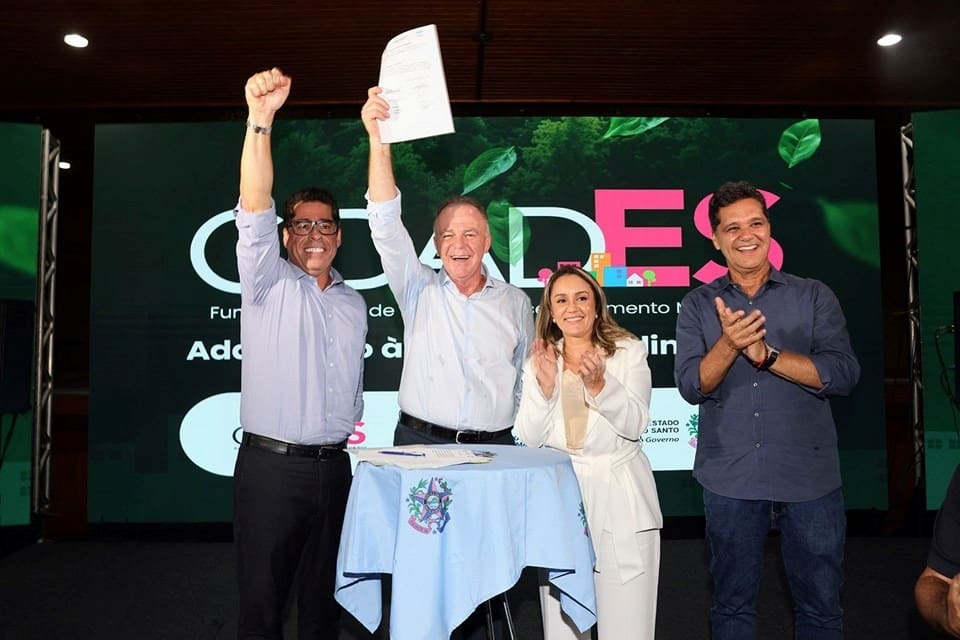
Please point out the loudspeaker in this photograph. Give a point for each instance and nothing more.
(16, 355)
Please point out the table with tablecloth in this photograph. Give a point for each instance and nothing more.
(457, 536)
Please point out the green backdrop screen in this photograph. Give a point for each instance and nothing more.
(19, 220)
(936, 138)
(624, 196)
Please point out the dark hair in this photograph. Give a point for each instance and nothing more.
(310, 194)
(730, 192)
(606, 331)
(454, 201)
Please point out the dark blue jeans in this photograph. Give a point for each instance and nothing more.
(811, 544)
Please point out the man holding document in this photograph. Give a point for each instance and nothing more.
(466, 335)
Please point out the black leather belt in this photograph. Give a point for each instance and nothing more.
(318, 451)
(463, 436)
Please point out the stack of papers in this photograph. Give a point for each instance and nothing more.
(420, 456)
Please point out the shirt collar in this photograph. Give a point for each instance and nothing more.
(335, 277)
(776, 277)
(488, 282)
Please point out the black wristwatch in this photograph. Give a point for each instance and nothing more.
(772, 354)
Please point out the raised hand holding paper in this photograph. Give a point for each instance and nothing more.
(411, 75)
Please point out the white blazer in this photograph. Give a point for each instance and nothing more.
(616, 481)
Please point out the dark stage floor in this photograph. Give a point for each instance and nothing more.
(153, 590)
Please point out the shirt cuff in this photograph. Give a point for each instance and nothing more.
(383, 207)
(239, 210)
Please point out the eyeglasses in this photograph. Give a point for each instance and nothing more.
(305, 227)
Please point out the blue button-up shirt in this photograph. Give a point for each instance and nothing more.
(462, 356)
(302, 370)
(762, 437)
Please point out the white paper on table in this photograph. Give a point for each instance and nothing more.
(411, 76)
(419, 456)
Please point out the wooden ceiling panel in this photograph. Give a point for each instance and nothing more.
(695, 53)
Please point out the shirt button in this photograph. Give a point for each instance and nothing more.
(756, 444)
(755, 384)
(331, 364)
(756, 414)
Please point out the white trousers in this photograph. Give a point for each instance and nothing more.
(624, 610)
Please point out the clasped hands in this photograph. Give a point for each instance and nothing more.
(743, 332)
(590, 369)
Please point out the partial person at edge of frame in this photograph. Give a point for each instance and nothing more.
(937, 590)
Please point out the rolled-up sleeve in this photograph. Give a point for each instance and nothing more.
(832, 353)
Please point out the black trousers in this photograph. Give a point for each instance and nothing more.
(287, 515)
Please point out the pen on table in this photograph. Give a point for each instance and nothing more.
(403, 453)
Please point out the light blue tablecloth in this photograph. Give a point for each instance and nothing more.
(457, 536)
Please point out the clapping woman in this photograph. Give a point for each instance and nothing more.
(586, 391)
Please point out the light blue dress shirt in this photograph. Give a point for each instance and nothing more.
(462, 357)
(302, 368)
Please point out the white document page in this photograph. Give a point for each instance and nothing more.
(411, 76)
(420, 456)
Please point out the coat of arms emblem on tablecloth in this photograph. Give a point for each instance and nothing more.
(429, 503)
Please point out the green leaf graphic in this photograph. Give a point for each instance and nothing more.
(799, 141)
(853, 226)
(509, 231)
(18, 228)
(693, 424)
(487, 166)
(627, 127)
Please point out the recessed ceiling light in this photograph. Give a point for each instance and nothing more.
(76, 40)
(63, 164)
(890, 39)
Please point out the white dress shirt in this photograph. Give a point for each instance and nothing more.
(462, 356)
